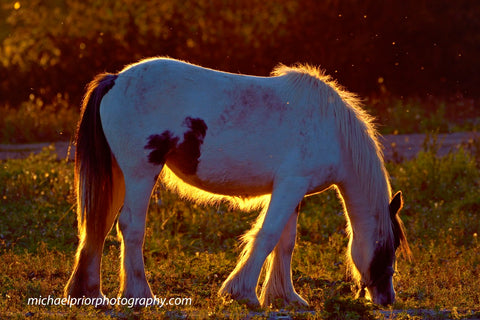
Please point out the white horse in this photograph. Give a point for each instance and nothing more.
(254, 141)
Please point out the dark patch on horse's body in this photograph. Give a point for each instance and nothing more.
(198, 127)
(161, 145)
(185, 156)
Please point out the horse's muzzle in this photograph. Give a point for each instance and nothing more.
(383, 298)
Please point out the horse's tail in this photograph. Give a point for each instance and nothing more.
(93, 163)
(95, 174)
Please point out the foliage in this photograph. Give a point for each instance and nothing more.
(33, 121)
(399, 47)
(190, 250)
(402, 117)
(414, 115)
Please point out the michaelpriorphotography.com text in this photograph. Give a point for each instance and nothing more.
(104, 301)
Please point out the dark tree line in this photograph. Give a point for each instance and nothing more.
(398, 47)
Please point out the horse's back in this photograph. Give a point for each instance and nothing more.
(241, 131)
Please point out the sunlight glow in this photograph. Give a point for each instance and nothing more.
(17, 5)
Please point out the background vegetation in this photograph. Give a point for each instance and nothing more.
(405, 49)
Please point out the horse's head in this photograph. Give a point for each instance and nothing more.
(379, 286)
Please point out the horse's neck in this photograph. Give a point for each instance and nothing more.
(366, 204)
(357, 208)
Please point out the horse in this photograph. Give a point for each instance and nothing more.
(255, 142)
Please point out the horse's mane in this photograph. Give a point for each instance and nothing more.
(359, 136)
(356, 129)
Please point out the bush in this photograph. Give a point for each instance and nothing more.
(35, 122)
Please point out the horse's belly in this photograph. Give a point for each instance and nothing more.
(226, 176)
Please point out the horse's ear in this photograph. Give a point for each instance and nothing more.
(396, 204)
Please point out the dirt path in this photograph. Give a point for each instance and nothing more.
(406, 146)
(396, 147)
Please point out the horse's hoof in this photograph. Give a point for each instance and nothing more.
(140, 298)
(294, 300)
(298, 300)
(250, 302)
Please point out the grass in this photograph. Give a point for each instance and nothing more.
(190, 250)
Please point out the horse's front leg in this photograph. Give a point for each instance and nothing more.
(242, 282)
(131, 229)
(278, 280)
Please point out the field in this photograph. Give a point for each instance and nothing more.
(190, 250)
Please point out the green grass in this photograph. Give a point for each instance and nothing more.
(190, 249)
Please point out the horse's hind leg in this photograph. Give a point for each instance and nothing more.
(131, 230)
(278, 281)
(242, 282)
(85, 280)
